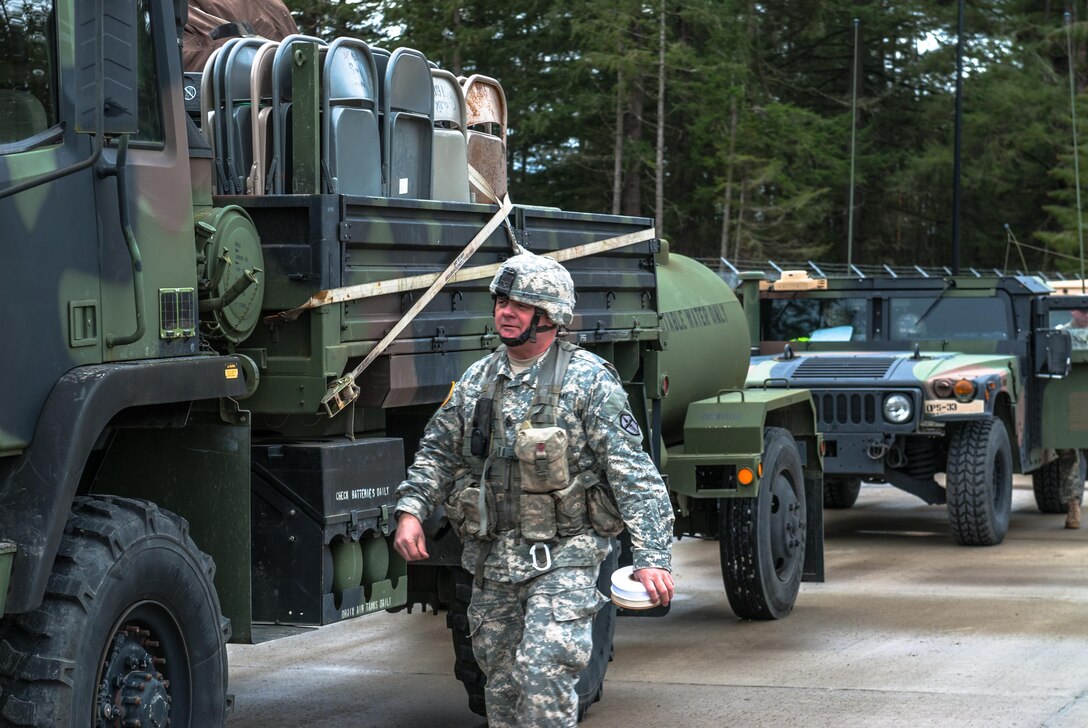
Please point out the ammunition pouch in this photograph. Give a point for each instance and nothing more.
(542, 459)
(602, 512)
(471, 510)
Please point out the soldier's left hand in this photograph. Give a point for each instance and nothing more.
(658, 583)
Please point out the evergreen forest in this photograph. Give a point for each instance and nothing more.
(739, 126)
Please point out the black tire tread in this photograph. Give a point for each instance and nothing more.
(742, 572)
(973, 521)
(841, 493)
(1046, 484)
(36, 678)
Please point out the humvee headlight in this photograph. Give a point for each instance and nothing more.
(942, 388)
(897, 408)
(964, 390)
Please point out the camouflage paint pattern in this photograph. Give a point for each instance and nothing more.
(66, 261)
(531, 639)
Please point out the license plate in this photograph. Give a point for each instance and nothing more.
(952, 407)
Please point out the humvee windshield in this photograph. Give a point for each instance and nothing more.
(950, 318)
(818, 319)
(910, 318)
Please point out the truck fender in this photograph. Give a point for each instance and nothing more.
(38, 486)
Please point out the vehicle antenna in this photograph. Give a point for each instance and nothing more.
(1076, 153)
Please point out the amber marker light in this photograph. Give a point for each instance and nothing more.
(964, 390)
(745, 476)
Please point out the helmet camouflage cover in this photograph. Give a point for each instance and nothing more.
(537, 281)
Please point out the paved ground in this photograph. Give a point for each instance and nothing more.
(908, 630)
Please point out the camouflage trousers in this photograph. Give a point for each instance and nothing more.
(1072, 478)
(531, 639)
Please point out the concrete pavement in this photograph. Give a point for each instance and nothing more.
(908, 630)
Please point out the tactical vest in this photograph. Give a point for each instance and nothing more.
(527, 486)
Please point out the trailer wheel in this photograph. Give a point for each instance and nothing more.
(129, 632)
(762, 539)
(1046, 482)
(979, 482)
(841, 492)
(590, 680)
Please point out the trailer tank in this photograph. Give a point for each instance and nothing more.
(705, 341)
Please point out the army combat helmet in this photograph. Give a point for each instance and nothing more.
(539, 282)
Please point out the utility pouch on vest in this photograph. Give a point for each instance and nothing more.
(604, 514)
(570, 509)
(480, 436)
(542, 459)
(471, 510)
(537, 519)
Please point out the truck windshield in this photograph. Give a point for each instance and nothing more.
(950, 318)
(816, 319)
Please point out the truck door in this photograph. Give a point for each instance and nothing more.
(49, 278)
(1065, 400)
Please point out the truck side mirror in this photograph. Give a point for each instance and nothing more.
(107, 45)
(1053, 353)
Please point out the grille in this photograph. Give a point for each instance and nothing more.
(847, 408)
(825, 367)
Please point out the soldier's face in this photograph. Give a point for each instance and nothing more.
(1080, 318)
(511, 317)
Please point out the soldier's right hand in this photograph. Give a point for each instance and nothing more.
(410, 541)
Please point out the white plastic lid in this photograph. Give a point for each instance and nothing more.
(628, 592)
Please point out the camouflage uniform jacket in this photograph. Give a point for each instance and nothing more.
(602, 437)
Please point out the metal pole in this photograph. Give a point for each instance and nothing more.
(853, 149)
(1076, 152)
(956, 145)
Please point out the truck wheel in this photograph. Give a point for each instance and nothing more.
(590, 680)
(841, 492)
(1046, 482)
(129, 631)
(762, 539)
(979, 482)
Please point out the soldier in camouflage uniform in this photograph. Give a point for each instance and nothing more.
(538, 461)
(1069, 460)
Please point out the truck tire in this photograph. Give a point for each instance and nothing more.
(762, 539)
(1046, 482)
(841, 493)
(590, 681)
(130, 621)
(979, 482)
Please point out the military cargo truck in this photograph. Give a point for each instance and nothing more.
(225, 337)
(975, 377)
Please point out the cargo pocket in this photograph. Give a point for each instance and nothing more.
(577, 603)
(573, 613)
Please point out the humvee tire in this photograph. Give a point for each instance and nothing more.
(1046, 483)
(590, 680)
(979, 482)
(841, 492)
(762, 539)
(130, 621)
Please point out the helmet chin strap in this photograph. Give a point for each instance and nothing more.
(529, 334)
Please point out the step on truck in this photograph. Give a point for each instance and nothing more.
(234, 300)
(974, 377)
